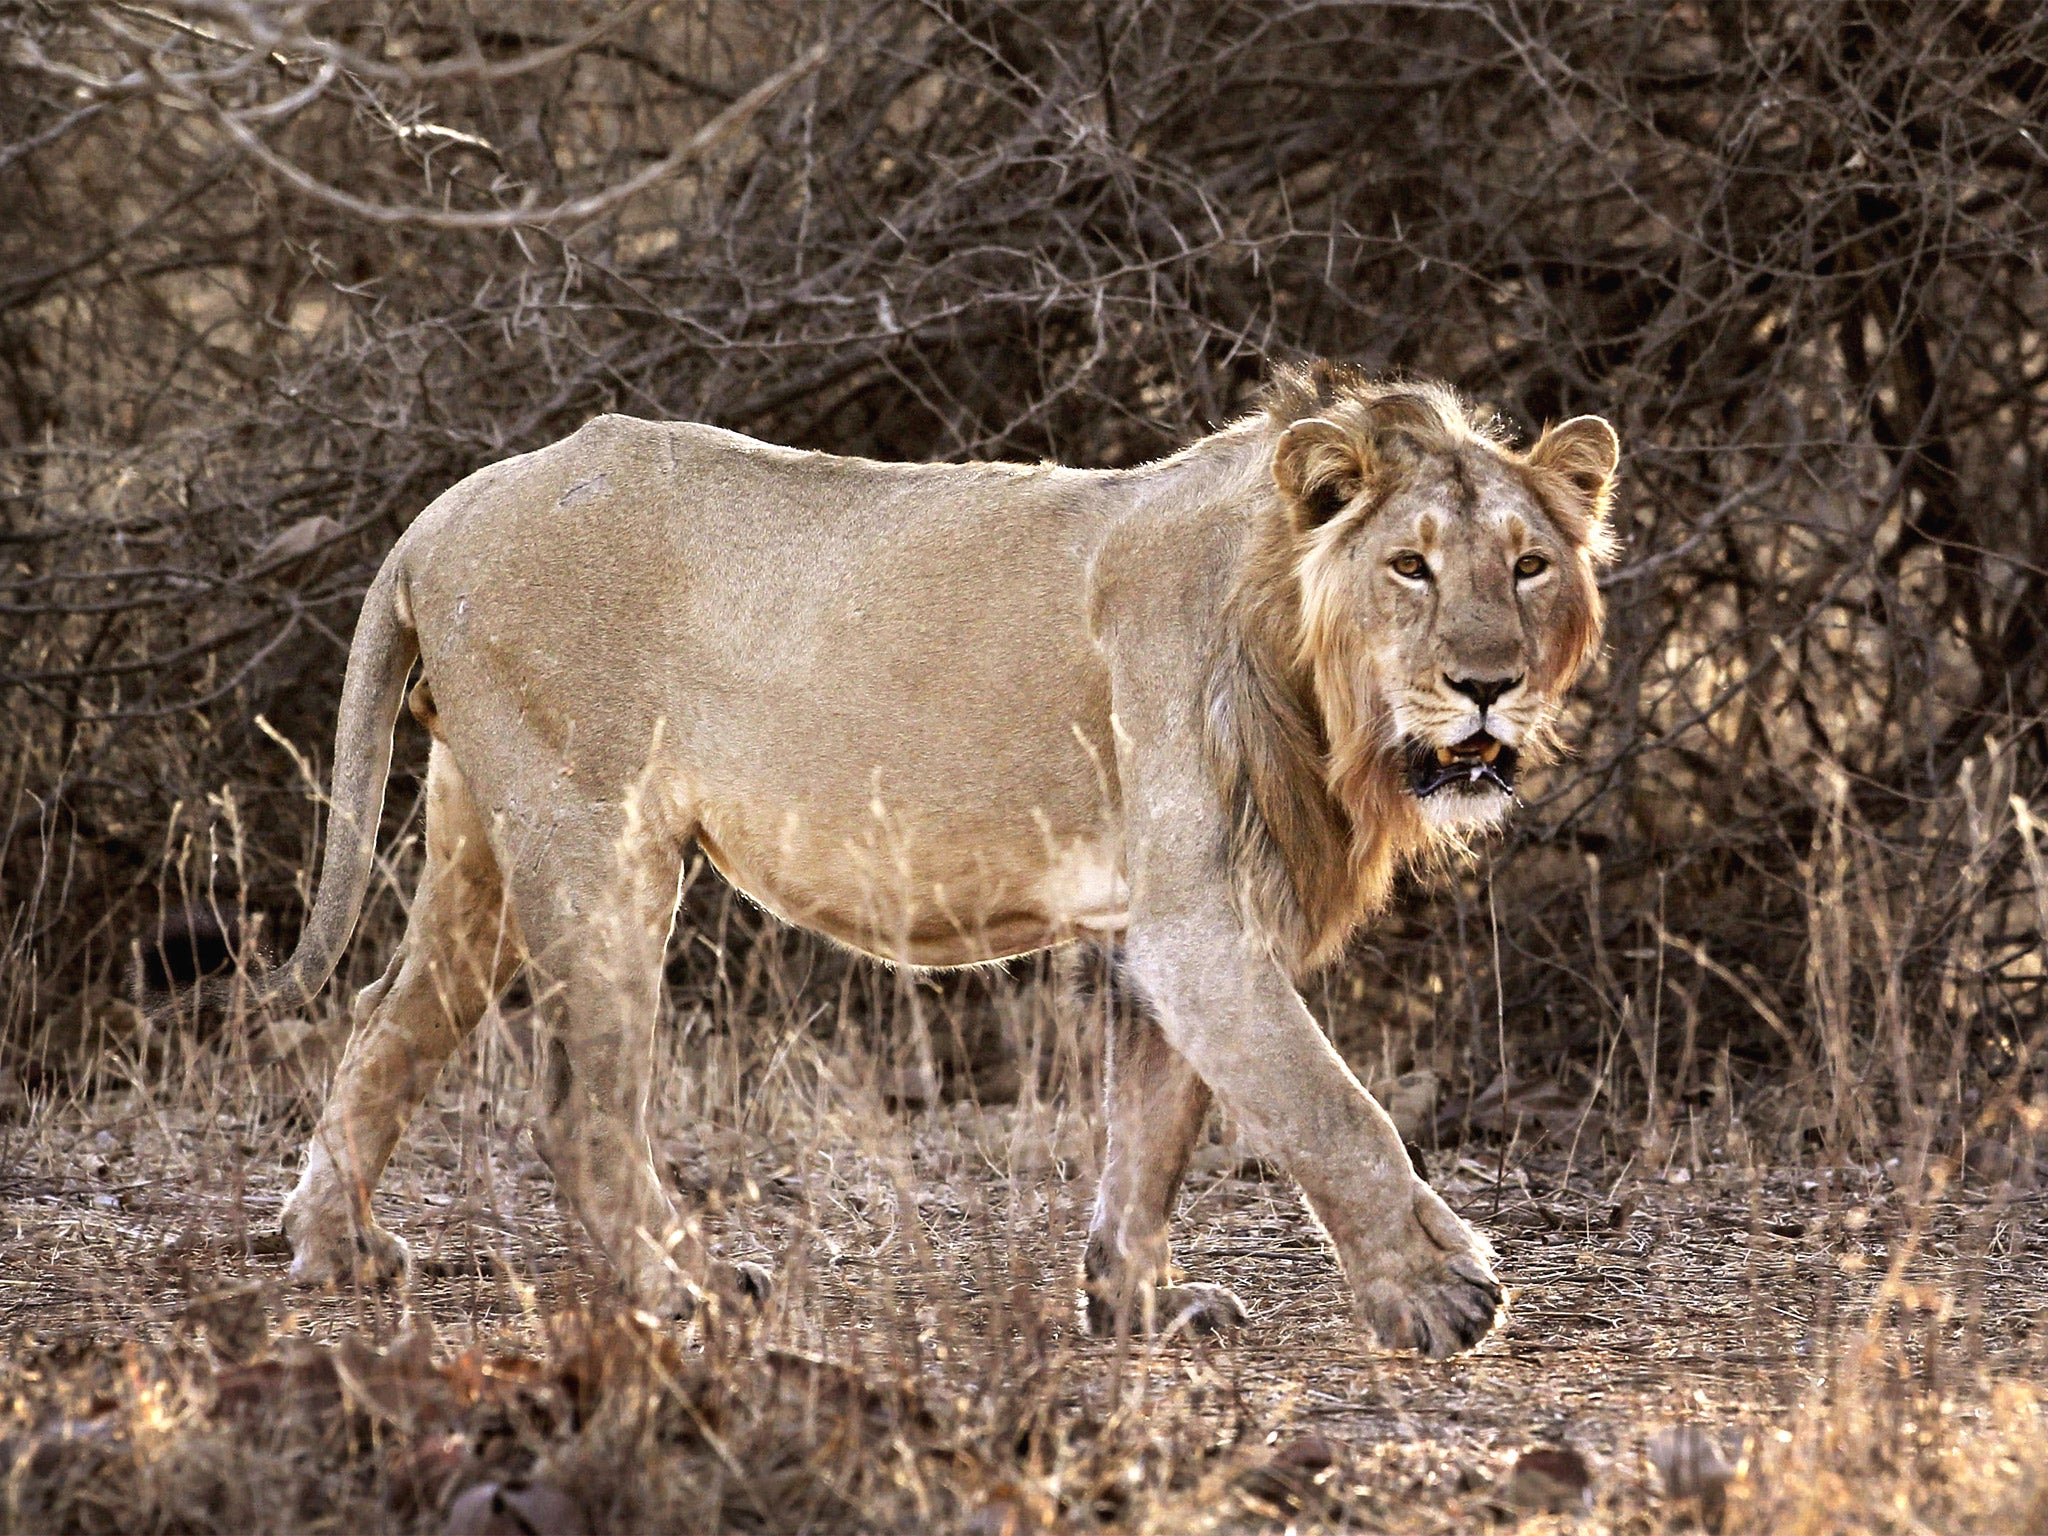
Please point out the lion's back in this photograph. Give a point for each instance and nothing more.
(771, 605)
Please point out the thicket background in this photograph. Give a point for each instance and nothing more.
(274, 275)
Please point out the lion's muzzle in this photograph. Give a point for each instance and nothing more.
(1481, 764)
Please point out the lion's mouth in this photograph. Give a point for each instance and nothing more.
(1480, 764)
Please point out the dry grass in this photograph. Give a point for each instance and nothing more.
(1864, 1338)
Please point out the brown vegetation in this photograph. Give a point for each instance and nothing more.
(270, 278)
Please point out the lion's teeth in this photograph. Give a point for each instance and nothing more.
(1489, 752)
(1445, 757)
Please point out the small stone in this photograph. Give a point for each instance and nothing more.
(909, 1088)
(1550, 1480)
(1410, 1102)
(1306, 1453)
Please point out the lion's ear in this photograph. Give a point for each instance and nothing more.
(1585, 452)
(1318, 467)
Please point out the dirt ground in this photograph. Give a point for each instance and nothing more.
(1865, 1354)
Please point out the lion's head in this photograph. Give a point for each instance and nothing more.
(1447, 582)
(1436, 592)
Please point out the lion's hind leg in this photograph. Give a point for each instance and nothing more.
(458, 954)
(597, 918)
(1155, 1107)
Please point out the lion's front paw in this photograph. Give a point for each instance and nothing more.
(342, 1255)
(1434, 1291)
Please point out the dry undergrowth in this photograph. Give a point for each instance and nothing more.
(1862, 1345)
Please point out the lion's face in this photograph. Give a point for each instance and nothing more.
(1477, 605)
(1449, 586)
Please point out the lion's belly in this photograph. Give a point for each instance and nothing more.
(876, 895)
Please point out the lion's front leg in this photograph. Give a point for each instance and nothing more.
(1422, 1278)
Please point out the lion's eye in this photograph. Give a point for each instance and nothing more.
(1411, 567)
(1532, 565)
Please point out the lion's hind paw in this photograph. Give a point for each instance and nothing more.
(368, 1258)
(750, 1283)
(1191, 1308)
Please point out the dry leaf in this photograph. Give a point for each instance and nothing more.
(1297, 1475)
(299, 1383)
(1010, 1509)
(398, 1385)
(235, 1323)
(418, 1476)
(296, 542)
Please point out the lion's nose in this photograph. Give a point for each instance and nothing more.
(1482, 691)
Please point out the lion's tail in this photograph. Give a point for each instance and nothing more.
(379, 660)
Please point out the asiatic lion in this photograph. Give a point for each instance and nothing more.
(1197, 711)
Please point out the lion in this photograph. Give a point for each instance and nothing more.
(1195, 713)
